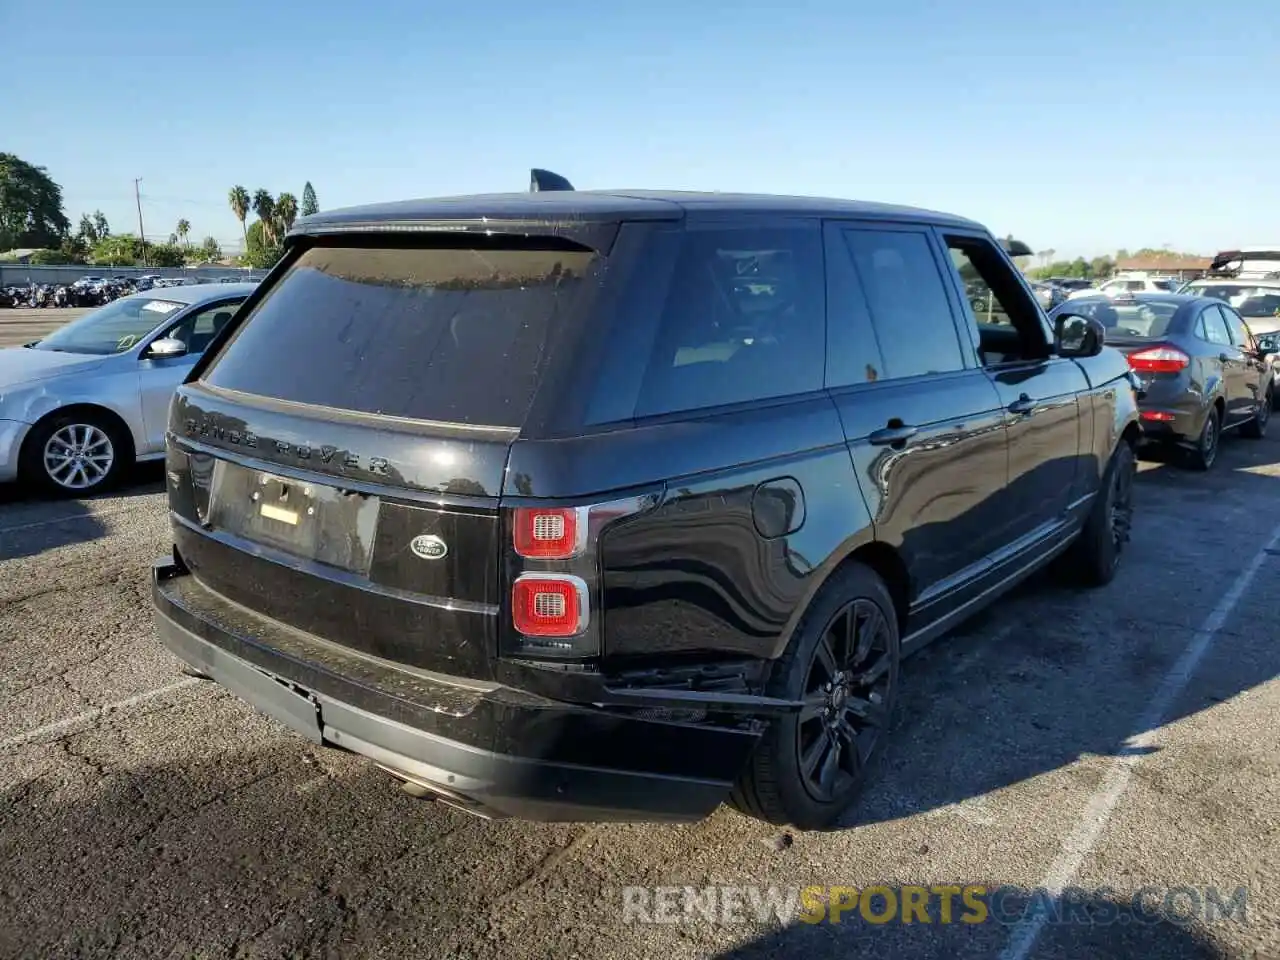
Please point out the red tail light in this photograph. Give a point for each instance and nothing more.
(1158, 416)
(553, 564)
(549, 533)
(549, 605)
(1163, 359)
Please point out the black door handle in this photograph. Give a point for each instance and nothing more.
(1022, 405)
(887, 436)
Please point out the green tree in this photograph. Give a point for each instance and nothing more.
(121, 250)
(184, 228)
(264, 205)
(88, 231)
(74, 250)
(309, 203)
(210, 250)
(48, 257)
(165, 255)
(261, 253)
(1102, 267)
(286, 213)
(100, 224)
(238, 197)
(31, 213)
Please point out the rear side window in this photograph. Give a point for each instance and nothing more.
(1215, 326)
(451, 334)
(743, 320)
(907, 300)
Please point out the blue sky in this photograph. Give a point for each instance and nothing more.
(1081, 126)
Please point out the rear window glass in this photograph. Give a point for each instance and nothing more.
(1148, 319)
(450, 334)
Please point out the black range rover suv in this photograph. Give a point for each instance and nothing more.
(588, 506)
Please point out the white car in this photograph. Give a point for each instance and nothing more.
(1122, 285)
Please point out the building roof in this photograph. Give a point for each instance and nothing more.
(1158, 262)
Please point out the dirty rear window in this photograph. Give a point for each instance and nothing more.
(456, 334)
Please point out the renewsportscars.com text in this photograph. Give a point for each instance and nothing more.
(936, 903)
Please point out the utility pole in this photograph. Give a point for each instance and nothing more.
(142, 237)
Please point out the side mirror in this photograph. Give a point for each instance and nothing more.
(166, 347)
(1077, 336)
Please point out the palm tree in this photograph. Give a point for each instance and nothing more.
(286, 212)
(265, 207)
(239, 199)
(184, 227)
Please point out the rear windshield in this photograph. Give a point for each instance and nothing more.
(1148, 319)
(451, 334)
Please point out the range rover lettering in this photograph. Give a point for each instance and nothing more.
(577, 505)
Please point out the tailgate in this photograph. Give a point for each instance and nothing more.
(369, 537)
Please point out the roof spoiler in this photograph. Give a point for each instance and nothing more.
(540, 180)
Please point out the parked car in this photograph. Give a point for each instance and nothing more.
(1048, 294)
(1202, 371)
(77, 407)
(1126, 284)
(1072, 284)
(615, 506)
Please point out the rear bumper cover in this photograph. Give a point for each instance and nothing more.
(489, 748)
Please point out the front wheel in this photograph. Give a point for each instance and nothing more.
(842, 665)
(74, 454)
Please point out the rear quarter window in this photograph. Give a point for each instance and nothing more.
(741, 318)
(447, 333)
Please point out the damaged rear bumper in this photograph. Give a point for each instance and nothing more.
(491, 749)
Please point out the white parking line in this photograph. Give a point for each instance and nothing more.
(1102, 804)
(90, 715)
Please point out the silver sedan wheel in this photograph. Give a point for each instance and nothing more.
(78, 456)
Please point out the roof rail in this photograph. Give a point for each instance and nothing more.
(540, 180)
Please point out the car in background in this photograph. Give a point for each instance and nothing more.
(1048, 293)
(1128, 283)
(78, 407)
(1201, 371)
(1072, 284)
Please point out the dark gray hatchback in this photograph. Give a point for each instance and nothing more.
(1201, 370)
(574, 505)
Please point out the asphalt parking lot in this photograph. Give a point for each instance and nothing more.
(1122, 738)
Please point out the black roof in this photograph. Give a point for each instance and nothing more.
(586, 206)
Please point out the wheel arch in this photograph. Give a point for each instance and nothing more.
(99, 411)
(881, 558)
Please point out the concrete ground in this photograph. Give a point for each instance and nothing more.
(1120, 738)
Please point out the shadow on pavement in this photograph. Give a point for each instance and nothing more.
(31, 523)
(1104, 937)
(1049, 673)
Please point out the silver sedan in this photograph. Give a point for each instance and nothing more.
(78, 407)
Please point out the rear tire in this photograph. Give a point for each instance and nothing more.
(1256, 428)
(1205, 452)
(843, 661)
(1095, 556)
